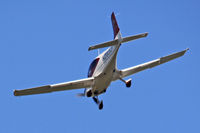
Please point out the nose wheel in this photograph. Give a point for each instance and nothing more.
(99, 103)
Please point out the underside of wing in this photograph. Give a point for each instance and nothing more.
(132, 70)
(77, 84)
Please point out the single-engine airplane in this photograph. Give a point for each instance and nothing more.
(103, 70)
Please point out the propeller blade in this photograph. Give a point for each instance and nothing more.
(80, 95)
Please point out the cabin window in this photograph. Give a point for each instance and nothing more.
(92, 67)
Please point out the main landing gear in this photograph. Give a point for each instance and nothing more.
(99, 103)
(127, 82)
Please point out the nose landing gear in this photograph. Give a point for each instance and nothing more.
(99, 103)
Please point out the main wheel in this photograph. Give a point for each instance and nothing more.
(101, 105)
(128, 83)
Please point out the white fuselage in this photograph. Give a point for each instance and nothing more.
(103, 70)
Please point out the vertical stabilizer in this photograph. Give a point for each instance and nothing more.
(114, 25)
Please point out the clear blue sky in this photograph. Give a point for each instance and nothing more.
(45, 42)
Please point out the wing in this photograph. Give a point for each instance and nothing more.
(77, 84)
(132, 70)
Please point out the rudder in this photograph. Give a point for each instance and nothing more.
(114, 25)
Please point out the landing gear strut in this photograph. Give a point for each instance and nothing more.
(100, 104)
(96, 100)
(127, 82)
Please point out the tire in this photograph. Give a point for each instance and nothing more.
(101, 105)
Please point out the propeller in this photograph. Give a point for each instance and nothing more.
(80, 95)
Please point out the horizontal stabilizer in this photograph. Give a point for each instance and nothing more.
(130, 38)
(102, 45)
(117, 41)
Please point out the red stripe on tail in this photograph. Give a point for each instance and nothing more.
(114, 24)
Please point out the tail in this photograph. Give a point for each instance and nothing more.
(115, 26)
(117, 36)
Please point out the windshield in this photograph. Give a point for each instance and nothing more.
(92, 67)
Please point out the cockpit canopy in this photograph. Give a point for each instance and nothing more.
(92, 67)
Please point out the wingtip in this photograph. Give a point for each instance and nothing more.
(15, 92)
(89, 48)
(184, 51)
(146, 34)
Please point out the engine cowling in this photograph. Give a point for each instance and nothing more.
(89, 93)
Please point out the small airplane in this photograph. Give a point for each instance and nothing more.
(103, 69)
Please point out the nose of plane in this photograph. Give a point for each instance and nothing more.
(89, 93)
